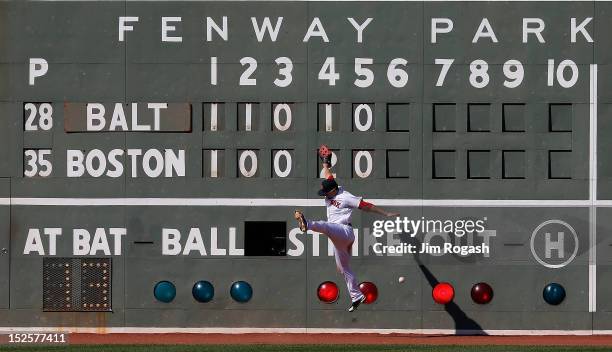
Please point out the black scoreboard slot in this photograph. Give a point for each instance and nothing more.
(265, 238)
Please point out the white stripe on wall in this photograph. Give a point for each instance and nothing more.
(295, 202)
(593, 188)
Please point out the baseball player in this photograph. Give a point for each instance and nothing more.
(338, 228)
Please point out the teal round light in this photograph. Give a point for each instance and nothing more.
(203, 291)
(164, 291)
(554, 294)
(241, 291)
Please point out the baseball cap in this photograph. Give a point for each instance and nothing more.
(327, 185)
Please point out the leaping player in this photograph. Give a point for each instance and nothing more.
(338, 227)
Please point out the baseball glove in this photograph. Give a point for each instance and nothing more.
(325, 154)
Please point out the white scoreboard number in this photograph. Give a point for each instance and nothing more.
(38, 116)
(397, 74)
(37, 163)
(513, 71)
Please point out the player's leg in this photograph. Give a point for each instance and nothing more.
(343, 255)
(343, 264)
(343, 239)
(337, 233)
(323, 227)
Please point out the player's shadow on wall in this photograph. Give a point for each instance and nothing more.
(464, 325)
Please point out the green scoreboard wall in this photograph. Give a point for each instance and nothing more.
(156, 141)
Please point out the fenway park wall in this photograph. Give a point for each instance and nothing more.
(152, 155)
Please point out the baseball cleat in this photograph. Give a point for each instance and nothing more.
(356, 304)
(301, 220)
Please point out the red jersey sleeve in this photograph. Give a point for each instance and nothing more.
(363, 204)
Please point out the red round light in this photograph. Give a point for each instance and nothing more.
(327, 292)
(482, 293)
(443, 293)
(370, 291)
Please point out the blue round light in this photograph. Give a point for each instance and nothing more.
(203, 291)
(164, 291)
(241, 291)
(554, 294)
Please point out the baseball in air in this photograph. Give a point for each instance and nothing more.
(401, 279)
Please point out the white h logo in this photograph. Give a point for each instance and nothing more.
(554, 245)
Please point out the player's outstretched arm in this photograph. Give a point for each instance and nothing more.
(325, 154)
(327, 169)
(371, 208)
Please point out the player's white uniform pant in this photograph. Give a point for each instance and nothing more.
(342, 237)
